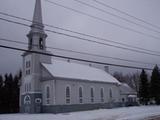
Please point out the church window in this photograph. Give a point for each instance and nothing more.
(80, 95)
(110, 93)
(28, 72)
(102, 94)
(67, 94)
(47, 95)
(92, 95)
(28, 65)
(30, 43)
(40, 43)
(123, 100)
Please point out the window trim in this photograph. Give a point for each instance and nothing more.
(80, 98)
(68, 97)
(27, 67)
(102, 94)
(110, 93)
(92, 95)
(41, 43)
(47, 99)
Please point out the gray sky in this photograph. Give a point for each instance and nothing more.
(147, 10)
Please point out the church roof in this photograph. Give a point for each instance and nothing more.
(126, 89)
(65, 69)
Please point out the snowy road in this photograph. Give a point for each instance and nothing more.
(126, 113)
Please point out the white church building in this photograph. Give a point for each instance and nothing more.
(55, 85)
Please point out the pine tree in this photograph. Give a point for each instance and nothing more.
(1, 93)
(155, 85)
(144, 88)
(9, 97)
(8, 89)
(15, 94)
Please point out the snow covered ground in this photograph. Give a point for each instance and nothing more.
(125, 113)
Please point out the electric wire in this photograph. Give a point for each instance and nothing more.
(72, 58)
(125, 13)
(82, 53)
(117, 16)
(79, 33)
(104, 20)
(84, 39)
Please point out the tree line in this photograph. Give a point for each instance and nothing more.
(9, 93)
(149, 89)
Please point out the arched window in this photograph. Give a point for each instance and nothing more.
(80, 95)
(30, 43)
(92, 95)
(47, 95)
(102, 94)
(67, 94)
(110, 93)
(40, 43)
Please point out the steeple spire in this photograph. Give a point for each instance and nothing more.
(37, 36)
(37, 16)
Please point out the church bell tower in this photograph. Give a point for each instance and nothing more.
(37, 36)
(30, 89)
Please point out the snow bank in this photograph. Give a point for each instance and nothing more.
(126, 113)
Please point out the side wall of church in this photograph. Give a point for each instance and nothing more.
(58, 92)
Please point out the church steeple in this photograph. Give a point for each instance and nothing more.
(37, 35)
(30, 90)
(37, 16)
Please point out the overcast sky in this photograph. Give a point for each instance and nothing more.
(147, 10)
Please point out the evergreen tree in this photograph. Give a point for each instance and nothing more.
(155, 85)
(15, 94)
(5, 98)
(1, 93)
(144, 88)
(9, 93)
(1, 81)
(8, 98)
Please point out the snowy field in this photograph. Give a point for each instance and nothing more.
(125, 113)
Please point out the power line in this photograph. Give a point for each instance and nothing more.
(125, 13)
(77, 59)
(117, 16)
(79, 33)
(83, 53)
(84, 39)
(104, 20)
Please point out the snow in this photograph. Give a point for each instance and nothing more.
(132, 96)
(60, 68)
(125, 113)
(125, 89)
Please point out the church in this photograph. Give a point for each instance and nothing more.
(52, 85)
